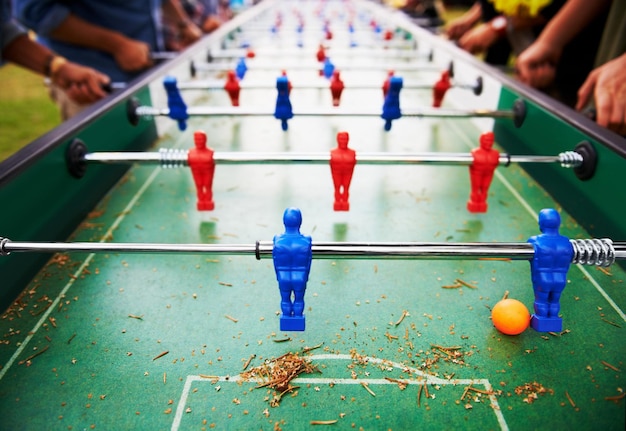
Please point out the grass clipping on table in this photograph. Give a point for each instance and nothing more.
(278, 373)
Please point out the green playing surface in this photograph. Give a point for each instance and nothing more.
(167, 341)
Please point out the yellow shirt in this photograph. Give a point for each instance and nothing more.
(527, 8)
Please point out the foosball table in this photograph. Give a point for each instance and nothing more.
(314, 217)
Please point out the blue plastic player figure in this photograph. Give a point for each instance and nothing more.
(241, 68)
(391, 106)
(292, 261)
(328, 68)
(175, 103)
(553, 255)
(283, 111)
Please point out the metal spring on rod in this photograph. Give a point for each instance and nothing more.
(173, 158)
(570, 159)
(598, 252)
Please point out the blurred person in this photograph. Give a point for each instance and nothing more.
(82, 84)
(115, 38)
(209, 14)
(538, 66)
(179, 29)
(506, 27)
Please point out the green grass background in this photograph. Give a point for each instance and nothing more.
(26, 111)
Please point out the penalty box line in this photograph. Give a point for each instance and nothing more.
(425, 379)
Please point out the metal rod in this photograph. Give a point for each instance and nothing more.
(327, 250)
(325, 85)
(172, 157)
(331, 112)
(392, 52)
(398, 67)
(165, 55)
(329, 52)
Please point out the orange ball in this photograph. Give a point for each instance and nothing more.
(510, 316)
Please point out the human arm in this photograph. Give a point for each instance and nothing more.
(480, 38)
(54, 20)
(461, 25)
(83, 84)
(188, 31)
(211, 23)
(129, 54)
(537, 64)
(607, 83)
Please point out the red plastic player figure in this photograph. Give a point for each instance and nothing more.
(387, 82)
(232, 87)
(250, 53)
(289, 86)
(200, 160)
(486, 159)
(327, 30)
(336, 87)
(342, 162)
(440, 88)
(388, 35)
(321, 54)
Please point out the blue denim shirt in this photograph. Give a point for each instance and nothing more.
(136, 19)
(9, 28)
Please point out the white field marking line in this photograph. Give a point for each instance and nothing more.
(533, 214)
(423, 379)
(84, 265)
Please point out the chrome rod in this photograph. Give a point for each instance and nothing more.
(331, 112)
(103, 247)
(324, 85)
(164, 55)
(179, 158)
(398, 67)
(603, 254)
(392, 52)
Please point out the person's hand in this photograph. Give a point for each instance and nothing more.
(479, 39)
(189, 33)
(211, 23)
(132, 55)
(607, 83)
(458, 27)
(536, 65)
(82, 84)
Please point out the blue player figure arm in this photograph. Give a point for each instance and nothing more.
(292, 256)
(391, 106)
(283, 111)
(549, 266)
(175, 103)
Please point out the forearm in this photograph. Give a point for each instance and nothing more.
(574, 16)
(173, 10)
(79, 32)
(27, 53)
(474, 14)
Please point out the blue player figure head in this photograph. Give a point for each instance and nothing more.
(391, 106)
(292, 256)
(283, 109)
(175, 103)
(549, 266)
